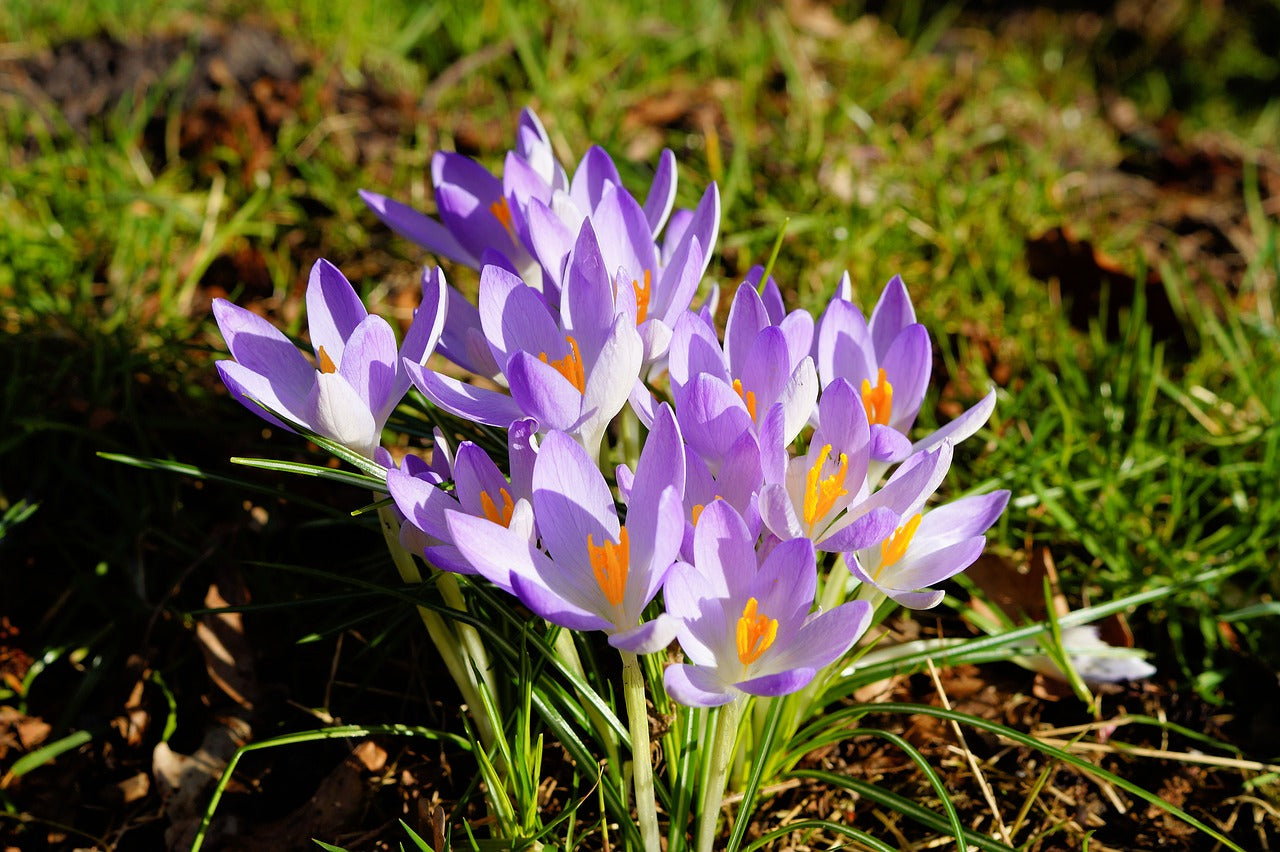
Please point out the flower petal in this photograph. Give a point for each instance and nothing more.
(417, 228)
(333, 309)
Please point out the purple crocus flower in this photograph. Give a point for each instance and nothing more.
(357, 378)
(815, 497)
(597, 573)
(888, 359)
(746, 629)
(479, 489)
(476, 214)
(721, 393)
(926, 547)
(570, 371)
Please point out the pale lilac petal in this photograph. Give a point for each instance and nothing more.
(960, 428)
(864, 531)
(648, 638)
(662, 193)
(661, 463)
(543, 393)
(522, 451)
(643, 403)
(494, 551)
(677, 227)
(712, 417)
(892, 314)
(912, 483)
(425, 330)
(595, 174)
(514, 316)
(421, 502)
(246, 386)
(369, 364)
(610, 381)
(554, 608)
(770, 294)
(336, 410)
(571, 502)
(259, 347)
(779, 513)
(694, 350)
(968, 516)
(747, 318)
(907, 365)
(694, 686)
(679, 282)
(844, 348)
(929, 569)
(825, 637)
(785, 584)
(626, 241)
(449, 558)
(888, 444)
(474, 473)
(417, 228)
(550, 239)
(723, 546)
(656, 544)
(797, 327)
(333, 309)
(799, 398)
(703, 226)
(766, 369)
(587, 299)
(466, 401)
(781, 683)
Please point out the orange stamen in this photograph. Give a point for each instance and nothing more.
(643, 292)
(697, 513)
(570, 366)
(326, 363)
(877, 401)
(820, 494)
(755, 633)
(490, 508)
(502, 212)
(610, 563)
(748, 398)
(895, 546)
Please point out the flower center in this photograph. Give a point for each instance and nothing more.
(877, 401)
(502, 212)
(755, 633)
(895, 546)
(643, 292)
(490, 508)
(570, 366)
(326, 363)
(821, 493)
(748, 398)
(610, 563)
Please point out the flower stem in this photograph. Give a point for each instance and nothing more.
(641, 762)
(721, 756)
(455, 656)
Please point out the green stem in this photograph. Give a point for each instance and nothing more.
(568, 653)
(641, 761)
(455, 657)
(721, 756)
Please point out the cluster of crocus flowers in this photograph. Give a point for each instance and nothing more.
(782, 491)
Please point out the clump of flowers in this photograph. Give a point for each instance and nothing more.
(781, 502)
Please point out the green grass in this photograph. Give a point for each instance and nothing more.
(935, 156)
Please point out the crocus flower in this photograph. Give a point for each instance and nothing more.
(479, 489)
(926, 547)
(814, 499)
(888, 359)
(357, 378)
(746, 629)
(571, 371)
(722, 392)
(597, 573)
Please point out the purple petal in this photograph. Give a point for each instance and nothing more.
(694, 686)
(369, 364)
(421, 502)
(891, 315)
(543, 393)
(778, 512)
(712, 417)
(867, 530)
(723, 546)
(782, 683)
(888, 444)
(747, 318)
(662, 193)
(554, 608)
(247, 386)
(425, 330)
(333, 309)
(587, 298)
(929, 569)
(417, 228)
(572, 504)
(595, 173)
(648, 638)
(825, 637)
(907, 365)
(626, 242)
(960, 428)
(259, 347)
(550, 239)
(844, 348)
(466, 401)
